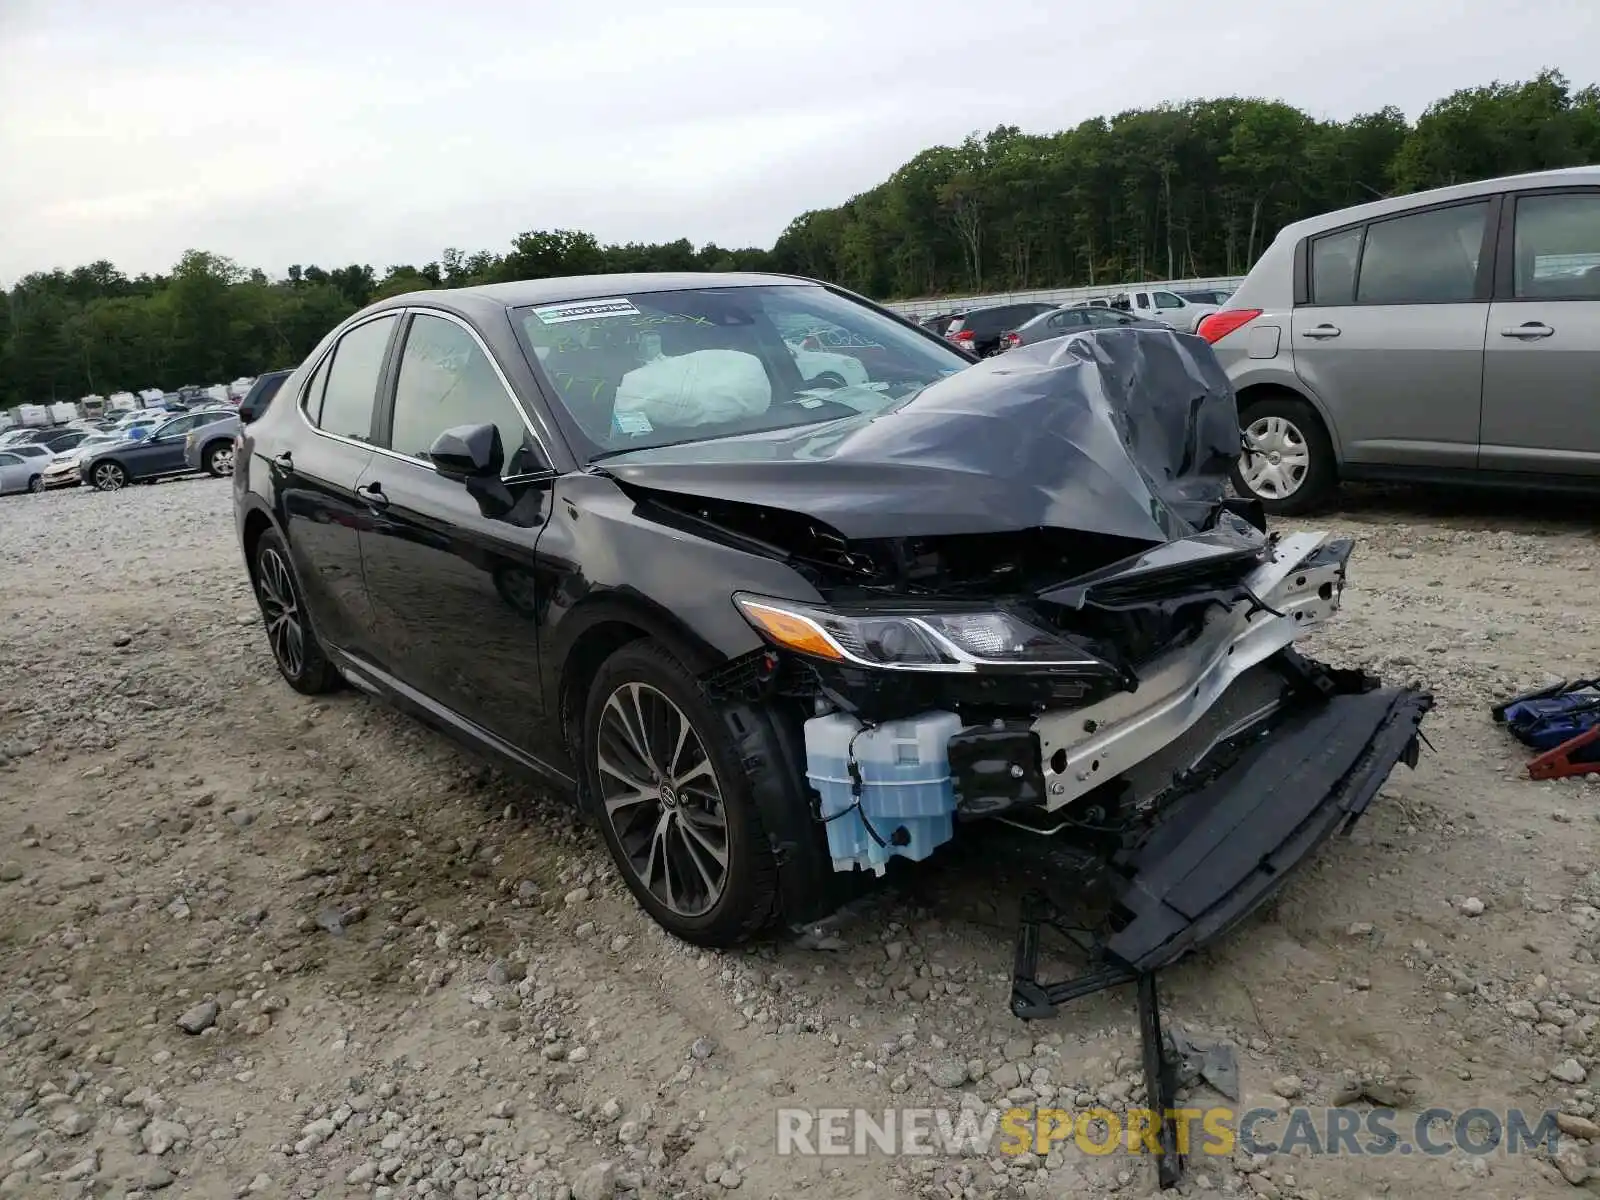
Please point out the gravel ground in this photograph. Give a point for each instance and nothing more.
(253, 943)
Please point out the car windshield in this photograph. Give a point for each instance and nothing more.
(638, 370)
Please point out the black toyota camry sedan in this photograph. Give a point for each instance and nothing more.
(780, 587)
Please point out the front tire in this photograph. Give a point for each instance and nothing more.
(109, 477)
(673, 801)
(36, 484)
(1292, 469)
(300, 657)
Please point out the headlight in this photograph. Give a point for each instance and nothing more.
(912, 641)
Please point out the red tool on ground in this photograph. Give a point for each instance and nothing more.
(1575, 756)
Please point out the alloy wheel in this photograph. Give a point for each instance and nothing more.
(661, 796)
(281, 608)
(36, 485)
(222, 460)
(108, 477)
(1275, 464)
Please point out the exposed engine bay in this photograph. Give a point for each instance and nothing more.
(1030, 587)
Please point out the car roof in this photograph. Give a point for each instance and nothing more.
(1568, 176)
(586, 287)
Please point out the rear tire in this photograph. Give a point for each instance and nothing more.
(218, 459)
(1294, 470)
(670, 800)
(300, 657)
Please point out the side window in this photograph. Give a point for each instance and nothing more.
(446, 380)
(1431, 257)
(9, 460)
(352, 386)
(1060, 321)
(1333, 267)
(1167, 300)
(311, 399)
(1558, 247)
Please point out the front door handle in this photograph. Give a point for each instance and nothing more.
(1528, 331)
(372, 495)
(1322, 331)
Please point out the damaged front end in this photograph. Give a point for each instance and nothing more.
(1033, 603)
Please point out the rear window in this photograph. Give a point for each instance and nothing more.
(984, 321)
(656, 368)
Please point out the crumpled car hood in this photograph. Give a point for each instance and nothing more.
(1123, 432)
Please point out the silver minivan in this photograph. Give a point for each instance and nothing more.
(1445, 336)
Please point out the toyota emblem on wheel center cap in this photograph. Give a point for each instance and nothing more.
(669, 796)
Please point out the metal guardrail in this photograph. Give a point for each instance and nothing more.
(943, 304)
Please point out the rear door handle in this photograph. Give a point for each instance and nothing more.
(1528, 331)
(373, 496)
(284, 461)
(1322, 331)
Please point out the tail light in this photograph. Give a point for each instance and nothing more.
(1218, 325)
(1010, 341)
(962, 335)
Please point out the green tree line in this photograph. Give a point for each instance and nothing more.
(1177, 191)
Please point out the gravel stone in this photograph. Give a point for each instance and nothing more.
(598, 1182)
(1569, 1070)
(199, 1018)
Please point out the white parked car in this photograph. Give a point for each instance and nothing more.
(22, 472)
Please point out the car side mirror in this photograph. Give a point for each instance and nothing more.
(468, 452)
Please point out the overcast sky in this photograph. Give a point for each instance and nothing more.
(345, 131)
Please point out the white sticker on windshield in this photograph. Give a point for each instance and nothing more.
(633, 422)
(585, 310)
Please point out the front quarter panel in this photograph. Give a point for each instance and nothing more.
(607, 561)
